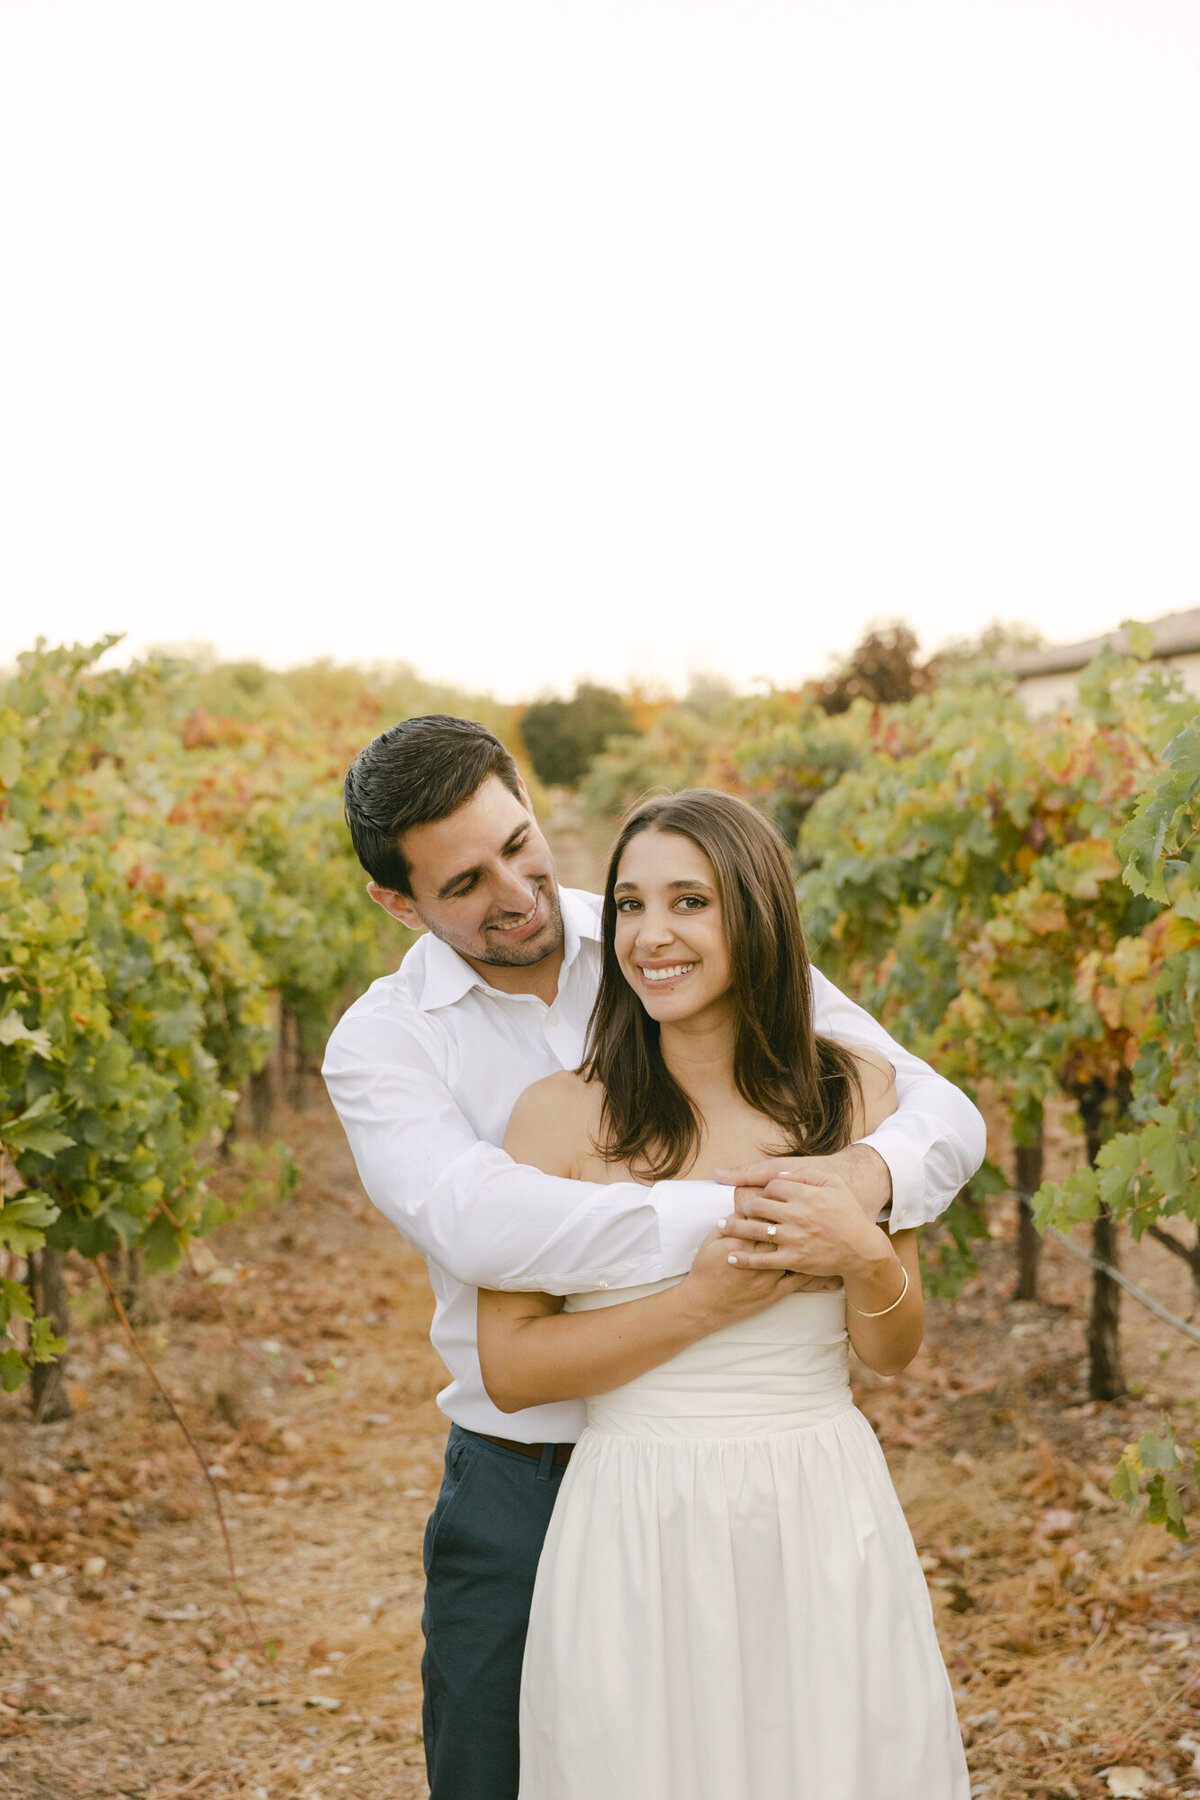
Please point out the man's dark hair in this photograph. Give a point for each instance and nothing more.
(414, 773)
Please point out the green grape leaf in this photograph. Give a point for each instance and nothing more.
(1139, 637)
(1164, 817)
(90, 1236)
(23, 1224)
(1067, 1203)
(126, 1225)
(1165, 1505)
(15, 1301)
(162, 1245)
(36, 1129)
(1119, 1165)
(44, 1346)
(1126, 1484)
(10, 761)
(1156, 1452)
(13, 1030)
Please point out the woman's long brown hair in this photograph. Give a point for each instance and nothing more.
(804, 1084)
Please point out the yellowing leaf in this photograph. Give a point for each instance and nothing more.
(1130, 959)
(970, 1009)
(1108, 1005)
(1082, 867)
(1046, 916)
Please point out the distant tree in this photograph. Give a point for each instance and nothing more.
(562, 736)
(883, 668)
(708, 694)
(994, 648)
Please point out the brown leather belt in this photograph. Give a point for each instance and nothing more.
(562, 1452)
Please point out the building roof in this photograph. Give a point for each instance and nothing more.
(1175, 634)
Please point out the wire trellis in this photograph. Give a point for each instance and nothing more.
(1131, 1287)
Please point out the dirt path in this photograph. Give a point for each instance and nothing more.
(301, 1362)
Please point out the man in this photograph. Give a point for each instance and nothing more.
(424, 1070)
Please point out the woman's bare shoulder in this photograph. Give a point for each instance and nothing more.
(566, 1087)
(553, 1123)
(878, 1080)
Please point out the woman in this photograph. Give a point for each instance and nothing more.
(728, 1605)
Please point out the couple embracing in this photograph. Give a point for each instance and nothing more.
(643, 1148)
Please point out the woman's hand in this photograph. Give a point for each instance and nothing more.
(815, 1224)
(820, 1227)
(858, 1167)
(721, 1293)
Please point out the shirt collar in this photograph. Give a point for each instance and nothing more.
(448, 976)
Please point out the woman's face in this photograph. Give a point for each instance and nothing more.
(670, 937)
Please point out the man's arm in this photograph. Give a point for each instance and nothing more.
(936, 1138)
(464, 1204)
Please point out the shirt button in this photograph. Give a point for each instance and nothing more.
(601, 1283)
(552, 1018)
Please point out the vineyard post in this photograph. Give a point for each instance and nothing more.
(262, 1099)
(127, 1269)
(295, 1062)
(1030, 1157)
(47, 1284)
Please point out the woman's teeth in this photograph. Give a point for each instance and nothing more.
(670, 974)
(516, 924)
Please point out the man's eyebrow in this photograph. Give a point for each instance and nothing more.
(448, 887)
(455, 880)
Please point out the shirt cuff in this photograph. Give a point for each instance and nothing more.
(908, 1180)
(687, 1212)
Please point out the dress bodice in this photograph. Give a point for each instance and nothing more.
(786, 1367)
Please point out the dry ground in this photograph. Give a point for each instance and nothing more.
(302, 1364)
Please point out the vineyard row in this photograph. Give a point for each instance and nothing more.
(1017, 900)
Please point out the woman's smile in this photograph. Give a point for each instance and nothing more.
(658, 975)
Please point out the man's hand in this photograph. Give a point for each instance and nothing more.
(857, 1167)
(858, 1171)
(814, 1223)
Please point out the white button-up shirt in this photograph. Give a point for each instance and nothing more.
(424, 1071)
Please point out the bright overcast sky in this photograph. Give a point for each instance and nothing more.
(531, 339)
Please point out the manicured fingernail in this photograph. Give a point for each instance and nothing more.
(720, 1224)
(733, 1259)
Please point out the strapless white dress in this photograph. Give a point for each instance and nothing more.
(729, 1605)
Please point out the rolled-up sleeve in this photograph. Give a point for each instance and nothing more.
(935, 1140)
(464, 1204)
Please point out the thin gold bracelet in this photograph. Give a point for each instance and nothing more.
(885, 1309)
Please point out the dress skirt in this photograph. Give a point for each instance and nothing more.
(729, 1605)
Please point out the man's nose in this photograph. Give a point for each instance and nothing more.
(514, 894)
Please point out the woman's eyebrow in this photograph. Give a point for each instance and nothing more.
(631, 887)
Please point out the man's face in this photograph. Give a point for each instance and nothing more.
(483, 881)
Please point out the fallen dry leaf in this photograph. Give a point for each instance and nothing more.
(1127, 1783)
